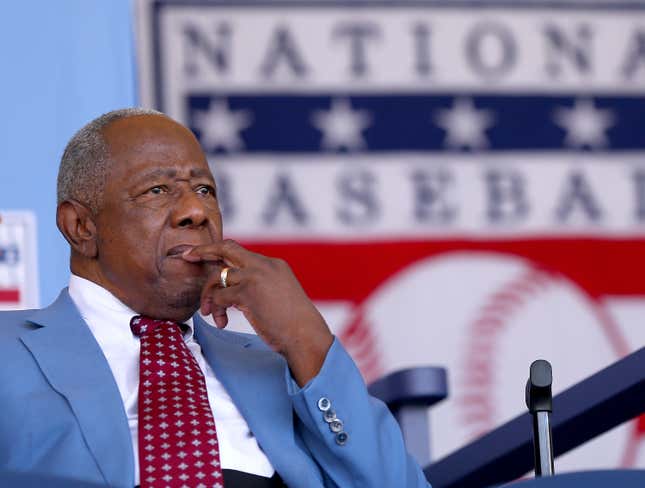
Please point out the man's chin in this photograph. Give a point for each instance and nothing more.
(187, 300)
(182, 290)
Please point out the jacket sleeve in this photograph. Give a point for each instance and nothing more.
(352, 435)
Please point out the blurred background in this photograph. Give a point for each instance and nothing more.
(459, 184)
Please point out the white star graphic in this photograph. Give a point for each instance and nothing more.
(465, 126)
(341, 126)
(220, 126)
(584, 124)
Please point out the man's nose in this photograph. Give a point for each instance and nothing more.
(189, 210)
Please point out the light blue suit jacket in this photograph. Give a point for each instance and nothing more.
(61, 412)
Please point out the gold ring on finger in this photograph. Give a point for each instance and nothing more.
(223, 275)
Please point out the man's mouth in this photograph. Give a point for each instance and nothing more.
(177, 251)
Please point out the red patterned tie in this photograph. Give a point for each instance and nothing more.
(177, 439)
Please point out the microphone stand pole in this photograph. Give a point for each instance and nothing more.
(539, 401)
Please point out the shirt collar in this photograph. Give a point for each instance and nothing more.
(91, 299)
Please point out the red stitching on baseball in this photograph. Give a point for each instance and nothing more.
(360, 342)
(476, 408)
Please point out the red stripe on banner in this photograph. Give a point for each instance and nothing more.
(12, 296)
(351, 271)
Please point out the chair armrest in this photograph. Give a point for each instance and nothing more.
(408, 394)
(422, 386)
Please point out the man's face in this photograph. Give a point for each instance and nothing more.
(159, 201)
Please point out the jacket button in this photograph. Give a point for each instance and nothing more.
(336, 426)
(324, 404)
(329, 415)
(341, 438)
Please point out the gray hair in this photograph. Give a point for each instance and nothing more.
(83, 168)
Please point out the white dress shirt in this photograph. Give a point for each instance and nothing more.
(109, 321)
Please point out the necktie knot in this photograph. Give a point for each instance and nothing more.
(142, 325)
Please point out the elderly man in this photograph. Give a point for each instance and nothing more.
(120, 382)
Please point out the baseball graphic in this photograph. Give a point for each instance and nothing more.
(485, 317)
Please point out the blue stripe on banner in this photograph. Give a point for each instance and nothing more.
(285, 123)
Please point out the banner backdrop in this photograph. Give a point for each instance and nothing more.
(63, 64)
(18, 260)
(453, 185)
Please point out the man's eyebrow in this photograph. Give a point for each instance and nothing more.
(157, 173)
(172, 173)
(200, 172)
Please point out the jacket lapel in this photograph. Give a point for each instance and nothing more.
(74, 365)
(255, 380)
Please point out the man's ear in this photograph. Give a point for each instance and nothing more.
(76, 223)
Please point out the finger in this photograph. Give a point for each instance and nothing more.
(228, 251)
(225, 297)
(220, 317)
(208, 302)
(220, 300)
(230, 276)
(234, 276)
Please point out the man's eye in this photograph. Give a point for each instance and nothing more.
(157, 190)
(206, 190)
